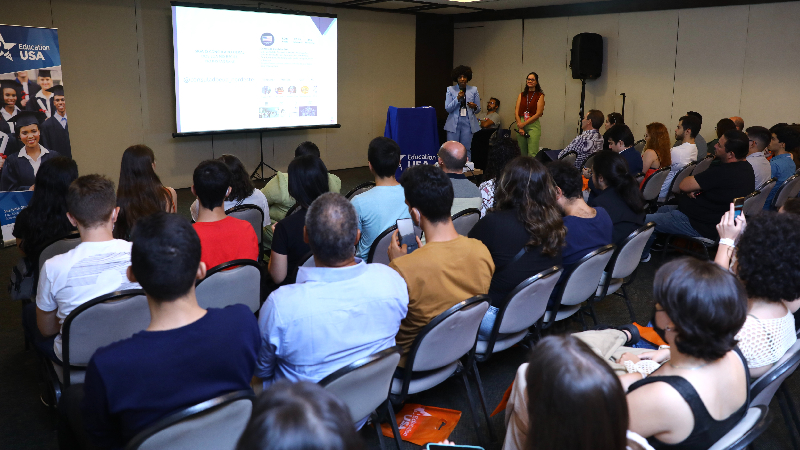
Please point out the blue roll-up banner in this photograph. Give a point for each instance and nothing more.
(30, 63)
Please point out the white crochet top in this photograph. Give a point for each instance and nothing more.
(764, 341)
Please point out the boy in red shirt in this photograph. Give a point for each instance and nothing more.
(222, 238)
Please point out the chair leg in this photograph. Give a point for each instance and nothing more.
(787, 419)
(393, 421)
(591, 311)
(628, 303)
(477, 376)
(377, 423)
(790, 404)
(472, 409)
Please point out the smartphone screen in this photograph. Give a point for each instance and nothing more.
(405, 228)
(738, 204)
(451, 447)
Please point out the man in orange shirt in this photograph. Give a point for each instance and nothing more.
(222, 238)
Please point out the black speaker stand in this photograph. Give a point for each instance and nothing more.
(261, 165)
(583, 98)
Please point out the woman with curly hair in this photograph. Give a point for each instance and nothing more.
(503, 151)
(530, 107)
(140, 192)
(702, 392)
(462, 102)
(242, 190)
(766, 262)
(657, 149)
(524, 231)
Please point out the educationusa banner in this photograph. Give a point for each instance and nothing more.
(27, 48)
(415, 131)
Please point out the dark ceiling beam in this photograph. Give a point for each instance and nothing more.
(601, 7)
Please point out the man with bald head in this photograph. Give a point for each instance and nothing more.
(452, 157)
(739, 122)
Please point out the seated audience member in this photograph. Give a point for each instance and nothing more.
(782, 166)
(449, 268)
(683, 154)
(94, 268)
(140, 192)
(308, 179)
(699, 141)
(277, 193)
(739, 122)
(703, 391)
(452, 156)
(588, 228)
(586, 143)
(380, 207)
(45, 217)
(579, 401)
(767, 264)
(723, 126)
(19, 170)
(187, 354)
(708, 194)
(524, 232)
(242, 190)
(299, 416)
(791, 206)
(759, 139)
(223, 238)
(503, 151)
(657, 150)
(620, 140)
(612, 119)
(491, 119)
(618, 194)
(316, 326)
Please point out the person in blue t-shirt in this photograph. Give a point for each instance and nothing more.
(380, 207)
(782, 166)
(187, 354)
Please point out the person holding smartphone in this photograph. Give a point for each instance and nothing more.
(449, 268)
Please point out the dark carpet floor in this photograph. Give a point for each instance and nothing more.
(25, 423)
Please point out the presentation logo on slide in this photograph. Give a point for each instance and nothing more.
(267, 39)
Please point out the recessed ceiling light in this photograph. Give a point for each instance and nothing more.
(465, 1)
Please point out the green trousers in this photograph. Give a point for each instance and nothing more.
(530, 146)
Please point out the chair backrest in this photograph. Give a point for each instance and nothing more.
(527, 303)
(639, 145)
(570, 157)
(588, 163)
(249, 213)
(683, 173)
(58, 246)
(100, 322)
(703, 164)
(583, 278)
(788, 189)
(768, 184)
(380, 246)
(627, 256)
(308, 260)
(754, 203)
(231, 283)
(217, 423)
(652, 185)
(754, 422)
(364, 385)
(465, 220)
(361, 188)
(449, 336)
(763, 389)
(639, 177)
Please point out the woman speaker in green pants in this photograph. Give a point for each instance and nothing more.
(530, 107)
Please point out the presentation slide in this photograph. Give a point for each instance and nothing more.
(252, 70)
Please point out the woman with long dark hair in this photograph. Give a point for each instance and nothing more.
(657, 149)
(45, 217)
(308, 179)
(530, 107)
(524, 231)
(140, 192)
(503, 151)
(243, 192)
(618, 193)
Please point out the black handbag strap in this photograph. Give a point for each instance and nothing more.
(513, 260)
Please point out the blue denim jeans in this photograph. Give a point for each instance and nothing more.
(669, 221)
(487, 323)
(462, 134)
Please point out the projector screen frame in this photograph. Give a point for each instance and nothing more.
(253, 9)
